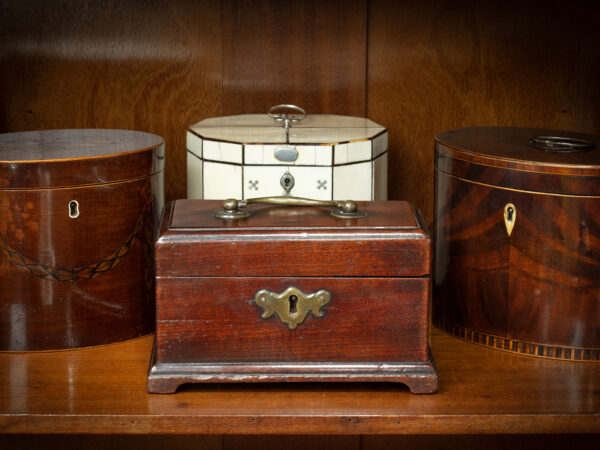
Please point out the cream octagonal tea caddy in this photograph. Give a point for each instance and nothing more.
(287, 152)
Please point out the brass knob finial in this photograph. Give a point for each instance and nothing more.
(348, 206)
(230, 205)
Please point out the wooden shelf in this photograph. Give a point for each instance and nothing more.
(103, 390)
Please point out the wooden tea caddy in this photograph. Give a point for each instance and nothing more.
(292, 294)
(517, 254)
(79, 211)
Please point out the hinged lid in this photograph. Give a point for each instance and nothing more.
(510, 148)
(536, 160)
(60, 158)
(324, 129)
(390, 241)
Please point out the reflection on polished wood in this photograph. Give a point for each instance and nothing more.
(78, 213)
(103, 390)
(534, 291)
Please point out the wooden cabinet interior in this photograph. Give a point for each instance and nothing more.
(417, 68)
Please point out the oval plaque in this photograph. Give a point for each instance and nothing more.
(286, 154)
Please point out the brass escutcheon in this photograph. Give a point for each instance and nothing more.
(292, 306)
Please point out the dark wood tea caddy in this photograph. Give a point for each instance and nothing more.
(517, 240)
(292, 294)
(78, 215)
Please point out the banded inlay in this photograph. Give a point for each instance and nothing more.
(516, 346)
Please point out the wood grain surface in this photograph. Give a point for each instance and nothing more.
(112, 64)
(74, 158)
(196, 317)
(548, 180)
(534, 290)
(310, 53)
(417, 68)
(435, 66)
(429, 66)
(68, 283)
(78, 215)
(375, 269)
(532, 287)
(292, 241)
(103, 390)
(512, 148)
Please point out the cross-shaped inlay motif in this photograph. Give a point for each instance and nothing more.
(253, 184)
(321, 184)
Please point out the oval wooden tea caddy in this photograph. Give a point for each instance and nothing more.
(517, 241)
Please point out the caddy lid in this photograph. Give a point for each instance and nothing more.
(531, 160)
(61, 158)
(279, 127)
(389, 240)
(524, 149)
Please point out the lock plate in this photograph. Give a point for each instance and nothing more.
(291, 306)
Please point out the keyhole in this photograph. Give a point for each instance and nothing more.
(293, 301)
(510, 217)
(509, 213)
(73, 209)
(287, 182)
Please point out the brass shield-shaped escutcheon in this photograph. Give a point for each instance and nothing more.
(292, 306)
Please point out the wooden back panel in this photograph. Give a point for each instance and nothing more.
(417, 68)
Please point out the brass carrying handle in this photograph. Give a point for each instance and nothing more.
(231, 207)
